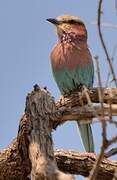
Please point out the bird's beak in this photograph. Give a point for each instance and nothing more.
(53, 21)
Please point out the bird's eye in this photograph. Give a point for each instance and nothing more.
(72, 21)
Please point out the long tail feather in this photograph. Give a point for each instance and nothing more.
(86, 136)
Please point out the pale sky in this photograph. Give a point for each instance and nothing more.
(26, 40)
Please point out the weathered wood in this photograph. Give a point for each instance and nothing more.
(75, 105)
(82, 163)
(12, 166)
(32, 150)
(39, 104)
(78, 98)
(86, 112)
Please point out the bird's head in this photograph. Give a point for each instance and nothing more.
(69, 25)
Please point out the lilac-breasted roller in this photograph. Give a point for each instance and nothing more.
(72, 64)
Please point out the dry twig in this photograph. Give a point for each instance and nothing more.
(94, 172)
(110, 153)
(103, 43)
(112, 59)
(34, 139)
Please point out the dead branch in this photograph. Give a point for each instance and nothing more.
(32, 150)
(105, 141)
(74, 99)
(39, 104)
(95, 169)
(82, 163)
(112, 60)
(70, 107)
(111, 152)
(99, 13)
(11, 166)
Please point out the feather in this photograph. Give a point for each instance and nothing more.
(72, 64)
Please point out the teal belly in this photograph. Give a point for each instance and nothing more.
(68, 80)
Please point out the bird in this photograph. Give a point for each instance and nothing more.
(72, 64)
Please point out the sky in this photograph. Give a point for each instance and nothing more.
(26, 39)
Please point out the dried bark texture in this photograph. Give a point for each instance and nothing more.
(33, 147)
(14, 161)
(72, 162)
(82, 163)
(109, 95)
(39, 106)
(11, 165)
(75, 105)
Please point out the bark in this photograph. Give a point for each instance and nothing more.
(77, 105)
(82, 163)
(32, 150)
(39, 104)
(12, 166)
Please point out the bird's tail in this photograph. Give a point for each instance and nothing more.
(86, 136)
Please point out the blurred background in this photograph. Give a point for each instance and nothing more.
(26, 39)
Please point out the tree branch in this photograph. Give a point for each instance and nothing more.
(12, 164)
(99, 13)
(32, 150)
(74, 106)
(82, 163)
